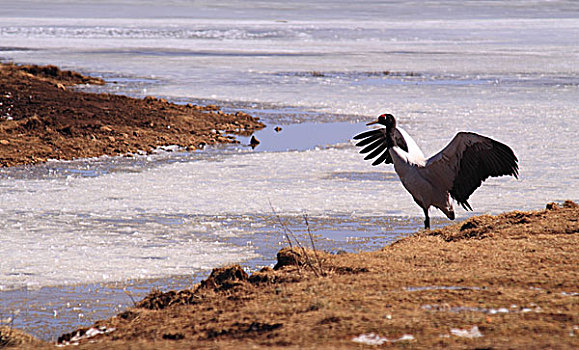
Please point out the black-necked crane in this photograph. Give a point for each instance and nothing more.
(456, 171)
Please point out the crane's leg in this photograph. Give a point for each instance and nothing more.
(426, 219)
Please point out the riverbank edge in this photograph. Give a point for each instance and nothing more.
(43, 115)
(503, 281)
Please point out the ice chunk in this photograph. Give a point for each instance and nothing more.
(404, 337)
(370, 339)
(375, 339)
(467, 333)
(90, 333)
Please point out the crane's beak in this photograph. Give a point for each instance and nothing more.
(372, 123)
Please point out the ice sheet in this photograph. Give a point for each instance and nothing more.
(166, 219)
(506, 69)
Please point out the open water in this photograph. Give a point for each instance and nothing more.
(79, 239)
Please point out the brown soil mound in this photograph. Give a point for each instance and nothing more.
(506, 281)
(54, 74)
(42, 118)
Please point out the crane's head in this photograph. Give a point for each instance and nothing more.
(387, 120)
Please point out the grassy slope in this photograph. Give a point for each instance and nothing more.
(514, 276)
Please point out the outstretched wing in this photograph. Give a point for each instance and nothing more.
(467, 161)
(375, 143)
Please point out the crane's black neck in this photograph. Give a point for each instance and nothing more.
(393, 136)
(389, 121)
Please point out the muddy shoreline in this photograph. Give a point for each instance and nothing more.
(43, 117)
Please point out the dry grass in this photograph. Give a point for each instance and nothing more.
(42, 118)
(514, 276)
(14, 338)
(460, 276)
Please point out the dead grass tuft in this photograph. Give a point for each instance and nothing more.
(225, 278)
(157, 300)
(510, 224)
(221, 279)
(52, 74)
(14, 338)
(289, 257)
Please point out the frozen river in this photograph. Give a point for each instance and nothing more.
(74, 235)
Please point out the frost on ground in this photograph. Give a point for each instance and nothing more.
(375, 339)
(467, 333)
(84, 334)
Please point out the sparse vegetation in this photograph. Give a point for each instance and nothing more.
(483, 283)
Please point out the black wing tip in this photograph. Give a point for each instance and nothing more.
(368, 133)
(514, 170)
(509, 156)
(374, 145)
(378, 162)
(515, 162)
(384, 158)
(499, 161)
(465, 205)
(502, 160)
(367, 140)
(374, 141)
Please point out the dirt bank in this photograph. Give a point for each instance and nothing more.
(42, 117)
(505, 281)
